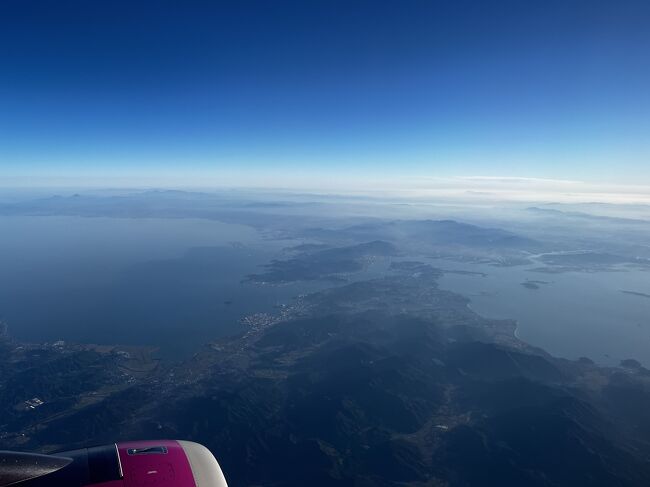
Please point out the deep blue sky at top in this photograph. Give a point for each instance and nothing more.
(524, 88)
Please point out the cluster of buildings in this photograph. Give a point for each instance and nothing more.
(33, 403)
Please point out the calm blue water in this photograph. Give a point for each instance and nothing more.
(576, 314)
(170, 283)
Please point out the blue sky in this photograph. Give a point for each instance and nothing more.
(250, 91)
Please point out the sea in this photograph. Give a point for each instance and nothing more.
(175, 284)
(601, 315)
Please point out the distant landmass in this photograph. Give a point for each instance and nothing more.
(533, 284)
(552, 212)
(636, 293)
(388, 381)
(317, 262)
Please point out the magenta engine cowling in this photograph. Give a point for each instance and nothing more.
(159, 463)
(173, 463)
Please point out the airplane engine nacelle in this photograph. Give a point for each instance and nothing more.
(166, 463)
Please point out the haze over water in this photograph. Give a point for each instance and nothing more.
(173, 283)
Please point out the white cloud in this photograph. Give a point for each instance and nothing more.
(471, 189)
(518, 179)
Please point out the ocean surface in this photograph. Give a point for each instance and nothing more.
(571, 314)
(172, 283)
